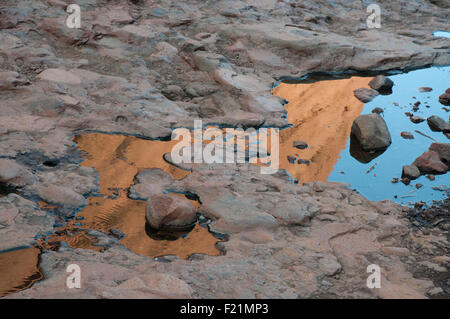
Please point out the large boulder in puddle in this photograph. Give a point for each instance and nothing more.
(430, 162)
(372, 132)
(382, 84)
(170, 212)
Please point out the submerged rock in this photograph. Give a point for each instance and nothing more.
(365, 95)
(382, 84)
(168, 212)
(372, 132)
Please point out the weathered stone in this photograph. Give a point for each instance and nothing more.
(381, 83)
(411, 172)
(377, 110)
(443, 149)
(365, 95)
(430, 162)
(416, 119)
(60, 195)
(301, 145)
(291, 159)
(14, 174)
(425, 89)
(169, 212)
(444, 99)
(372, 132)
(407, 135)
(437, 124)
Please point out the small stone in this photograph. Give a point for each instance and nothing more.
(377, 110)
(381, 84)
(407, 135)
(437, 124)
(394, 180)
(303, 161)
(411, 172)
(365, 95)
(317, 188)
(431, 177)
(444, 99)
(291, 159)
(300, 145)
(425, 89)
(416, 119)
(418, 185)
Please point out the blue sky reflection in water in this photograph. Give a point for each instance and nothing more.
(377, 185)
(442, 34)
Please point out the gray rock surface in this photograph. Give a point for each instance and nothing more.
(145, 67)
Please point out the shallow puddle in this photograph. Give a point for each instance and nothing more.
(442, 34)
(118, 159)
(19, 270)
(322, 114)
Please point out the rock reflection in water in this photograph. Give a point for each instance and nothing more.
(322, 114)
(361, 156)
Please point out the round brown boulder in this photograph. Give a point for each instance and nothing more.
(169, 212)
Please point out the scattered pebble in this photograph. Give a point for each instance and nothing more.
(407, 135)
(425, 89)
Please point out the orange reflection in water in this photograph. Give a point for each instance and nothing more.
(118, 159)
(18, 270)
(322, 114)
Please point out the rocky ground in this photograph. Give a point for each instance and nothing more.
(143, 68)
